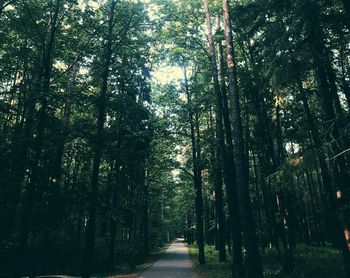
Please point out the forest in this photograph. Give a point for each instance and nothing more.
(125, 124)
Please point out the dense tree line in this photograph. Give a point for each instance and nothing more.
(270, 131)
(82, 160)
(247, 151)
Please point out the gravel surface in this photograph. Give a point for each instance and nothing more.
(175, 263)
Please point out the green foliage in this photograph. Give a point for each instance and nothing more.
(309, 262)
(212, 268)
(52, 71)
(61, 146)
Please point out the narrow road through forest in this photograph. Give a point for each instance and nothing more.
(174, 263)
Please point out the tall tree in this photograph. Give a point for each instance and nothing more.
(254, 268)
(197, 171)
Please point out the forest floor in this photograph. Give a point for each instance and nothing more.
(310, 262)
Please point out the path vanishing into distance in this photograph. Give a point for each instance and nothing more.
(174, 263)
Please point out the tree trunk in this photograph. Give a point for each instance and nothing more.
(56, 175)
(43, 92)
(199, 194)
(344, 81)
(220, 143)
(145, 230)
(254, 268)
(194, 126)
(113, 208)
(229, 171)
(331, 206)
(87, 261)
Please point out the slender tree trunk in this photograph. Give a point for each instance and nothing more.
(268, 159)
(258, 200)
(113, 206)
(279, 136)
(219, 206)
(29, 195)
(206, 216)
(345, 82)
(229, 171)
(197, 173)
(286, 225)
(220, 143)
(254, 268)
(145, 224)
(56, 175)
(226, 158)
(331, 205)
(199, 194)
(87, 261)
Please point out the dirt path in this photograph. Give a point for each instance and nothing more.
(175, 263)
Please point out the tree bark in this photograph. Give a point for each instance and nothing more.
(254, 268)
(87, 261)
(220, 143)
(145, 229)
(330, 202)
(229, 165)
(197, 173)
(43, 92)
